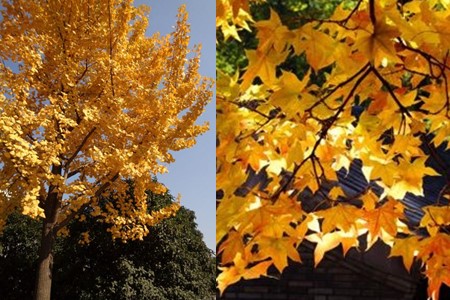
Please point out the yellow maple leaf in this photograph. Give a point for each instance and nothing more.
(340, 216)
(231, 247)
(378, 45)
(272, 33)
(325, 242)
(240, 269)
(434, 218)
(263, 65)
(288, 90)
(435, 252)
(407, 249)
(410, 178)
(320, 48)
(278, 249)
(383, 222)
(306, 130)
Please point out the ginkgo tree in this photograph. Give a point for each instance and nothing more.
(89, 102)
(374, 92)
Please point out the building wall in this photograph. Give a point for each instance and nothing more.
(334, 278)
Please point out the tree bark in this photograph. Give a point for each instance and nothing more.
(45, 263)
(51, 205)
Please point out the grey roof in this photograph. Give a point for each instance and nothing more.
(354, 183)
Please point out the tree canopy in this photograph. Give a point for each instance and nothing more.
(172, 262)
(365, 81)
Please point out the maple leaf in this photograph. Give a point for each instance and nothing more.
(230, 275)
(319, 47)
(410, 178)
(232, 246)
(263, 65)
(272, 33)
(378, 44)
(383, 222)
(435, 252)
(437, 274)
(325, 242)
(407, 248)
(287, 91)
(340, 216)
(278, 249)
(434, 218)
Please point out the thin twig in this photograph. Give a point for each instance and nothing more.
(391, 92)
(323, 133)
(340, 85)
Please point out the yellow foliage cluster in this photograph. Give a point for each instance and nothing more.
(87, 102)
(384, 96)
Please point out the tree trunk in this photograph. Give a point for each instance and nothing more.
(45, 263)
(51, 207)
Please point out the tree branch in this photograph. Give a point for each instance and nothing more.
(391, 92)
(111, 72)
(340, 85)
(83, 142)
(84, 72)
(373, 18)
(97, 194)
(323, 134)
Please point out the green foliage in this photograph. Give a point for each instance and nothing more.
(172, 262)
(19, 245)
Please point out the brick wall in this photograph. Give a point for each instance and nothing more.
(358, 276)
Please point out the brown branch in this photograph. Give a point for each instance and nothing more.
(352, 12)
(253, 132)
(373, 18)
(340, 85)
(342, 23)
(430, 58)
(442, 192)
(447, 100)
(111, 72)
(391, 92)
(244, 104)
(323, 134)
(97, 194)
(314, 160)
(415, 72)
(86, 67)
(436, 157)
(83, 142)
(77, 171)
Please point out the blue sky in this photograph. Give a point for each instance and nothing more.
(193, 173)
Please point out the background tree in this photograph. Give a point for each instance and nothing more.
(86, 101)
(366, 83)
(172, 262)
